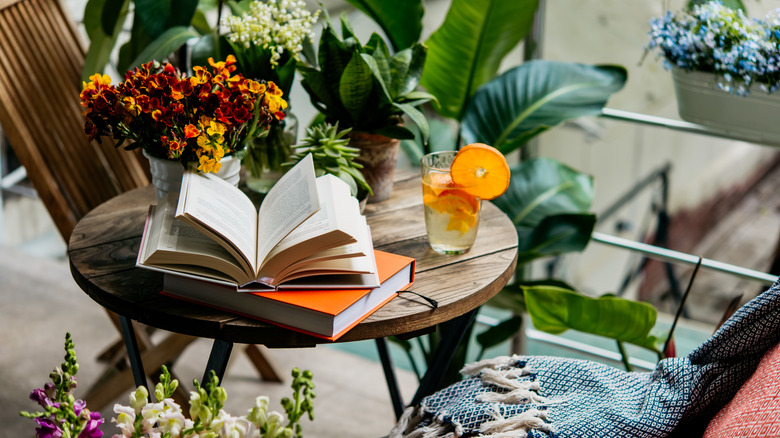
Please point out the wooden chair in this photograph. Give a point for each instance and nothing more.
(41, 58)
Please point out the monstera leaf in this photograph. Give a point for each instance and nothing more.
(555, 310)
(548, 202)
(533, 97)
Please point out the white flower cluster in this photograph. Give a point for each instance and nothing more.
(166, 419)
(275, 25)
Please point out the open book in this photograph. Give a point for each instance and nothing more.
(306, 226)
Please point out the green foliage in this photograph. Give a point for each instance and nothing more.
(363, 87)
(159, 28)
(103, 21)
(332, 154)
(548, 202)
(534, 97)
(731, 4)
(402, 22)
(302, 401)
(467, 50)
(555, 310)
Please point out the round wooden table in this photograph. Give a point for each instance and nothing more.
(104, 245)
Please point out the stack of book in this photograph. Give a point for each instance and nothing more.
(304, 260)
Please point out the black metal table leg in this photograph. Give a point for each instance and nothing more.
(218, 359)
(392, 383)
(452, 335)
(133, 353)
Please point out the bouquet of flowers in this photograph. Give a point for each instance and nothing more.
(66, 417)
(713, 38)
(195, 120)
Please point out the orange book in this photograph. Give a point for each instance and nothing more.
(327, 314)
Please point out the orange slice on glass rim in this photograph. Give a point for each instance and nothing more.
(481, 170)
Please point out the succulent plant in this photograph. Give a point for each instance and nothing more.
(332, 154)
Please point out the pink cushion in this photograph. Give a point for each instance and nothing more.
(755, 409)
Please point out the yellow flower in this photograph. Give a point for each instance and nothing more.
(208, 164)
(100, 79)
(216, 128)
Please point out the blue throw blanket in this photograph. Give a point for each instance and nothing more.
(539, 396)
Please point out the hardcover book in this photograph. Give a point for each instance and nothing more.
(306, 227)
(327, 314)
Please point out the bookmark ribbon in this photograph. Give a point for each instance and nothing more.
(434, 304)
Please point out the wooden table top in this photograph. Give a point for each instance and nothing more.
(104, 245)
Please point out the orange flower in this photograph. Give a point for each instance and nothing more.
(191, 131)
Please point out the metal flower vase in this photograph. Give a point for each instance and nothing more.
(752, 117)
(264, 156)
(167, 174)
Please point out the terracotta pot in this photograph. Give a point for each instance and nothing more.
(378, 155)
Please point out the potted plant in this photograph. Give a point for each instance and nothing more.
(267, 40)
(198, 122)
(724, 66)
(364, 88)
(332, 154)
(65, 416)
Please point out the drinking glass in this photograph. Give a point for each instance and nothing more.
(451, 213)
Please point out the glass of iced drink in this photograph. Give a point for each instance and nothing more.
(451, 212)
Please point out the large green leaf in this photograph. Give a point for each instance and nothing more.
(158, 16)
(535, 96)
(548, 202)
(554, 235)
(467, 50)
(103, 21)
(355, 85)
(555, 310)
(401, 20)
(541, 187)
(164, 45)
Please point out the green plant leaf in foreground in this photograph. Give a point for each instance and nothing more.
(548, 202)
(533, 97)
(467, 50)
(401, 20)
(164, 45)
(541, 187)
(555, 310)
(103, 21)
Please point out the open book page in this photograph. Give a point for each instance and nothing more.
(221, 210)
(292, 200)
(171, 243)
(355, 258)
(337, 223)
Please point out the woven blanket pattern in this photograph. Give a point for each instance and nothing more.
(540, 396)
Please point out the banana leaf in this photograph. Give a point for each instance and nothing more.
(467, 50)
(401, 20)
(103, 21)
(533, 97)
(164, 45)
(555, 310)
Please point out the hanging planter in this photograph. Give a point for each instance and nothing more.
(701, 100)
